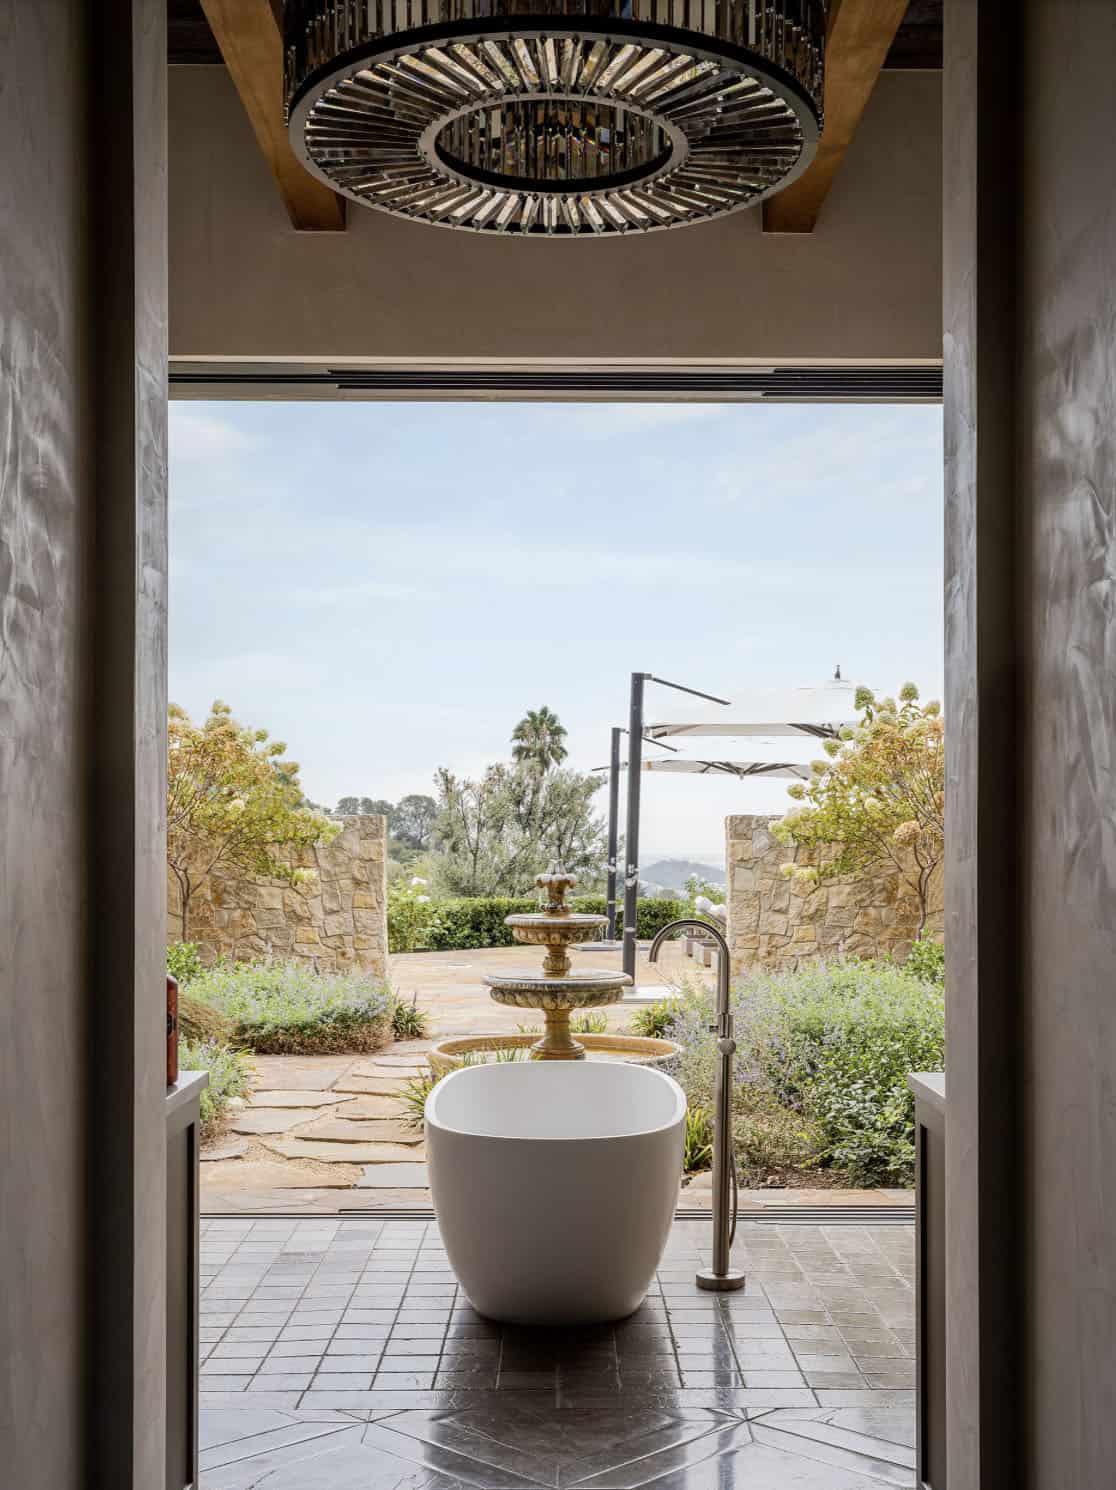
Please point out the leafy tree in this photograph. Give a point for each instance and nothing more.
(499, 831)
(878, 799)
(232, 800)
(413, 821)
(539, 740)
(364, 807)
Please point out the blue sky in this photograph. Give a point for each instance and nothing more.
(387, 587)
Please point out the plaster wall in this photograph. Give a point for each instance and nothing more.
(865, 285)
(82, 721)
(1066, 453)
(1030, 427)
(45, 530)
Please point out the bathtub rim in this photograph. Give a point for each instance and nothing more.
(432, 1120)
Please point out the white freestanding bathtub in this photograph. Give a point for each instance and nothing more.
(555, 1185)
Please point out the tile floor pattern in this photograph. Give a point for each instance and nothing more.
(340, 1354)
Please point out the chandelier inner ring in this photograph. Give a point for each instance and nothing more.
(457, 147)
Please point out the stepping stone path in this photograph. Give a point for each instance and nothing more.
(323, 1124)
(374, 1130)
(393, 1176)
(339, 1153)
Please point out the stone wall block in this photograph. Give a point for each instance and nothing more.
(778, 923)
(237, 917)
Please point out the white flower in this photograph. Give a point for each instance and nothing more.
(236, 806)
(422, 899)
(418, 880)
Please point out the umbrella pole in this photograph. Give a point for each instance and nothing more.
(631, 831)
(613, 829)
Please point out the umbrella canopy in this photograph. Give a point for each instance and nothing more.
(820, 712)
(799, 772)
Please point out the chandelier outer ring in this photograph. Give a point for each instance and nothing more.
(701, 46)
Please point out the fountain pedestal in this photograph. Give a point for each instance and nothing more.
(557, 991)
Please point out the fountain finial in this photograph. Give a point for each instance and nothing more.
(557, 884)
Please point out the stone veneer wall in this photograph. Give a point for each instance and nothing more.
(774, 923)
(337, 921)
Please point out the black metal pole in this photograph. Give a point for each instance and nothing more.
(631, 831)
(613, 828)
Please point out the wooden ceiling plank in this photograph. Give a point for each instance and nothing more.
(251, 43)
(860, 35)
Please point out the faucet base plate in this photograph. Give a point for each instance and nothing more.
(720, 1283)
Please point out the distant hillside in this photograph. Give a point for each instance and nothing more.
(672, 874)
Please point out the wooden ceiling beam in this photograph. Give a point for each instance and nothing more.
(248, 33)
(859, 37)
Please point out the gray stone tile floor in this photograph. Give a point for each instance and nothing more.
(340, 1353)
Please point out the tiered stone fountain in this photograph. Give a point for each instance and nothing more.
(557, 991)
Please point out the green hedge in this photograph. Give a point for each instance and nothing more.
(456, 925)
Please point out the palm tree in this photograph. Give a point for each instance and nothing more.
(538, 738)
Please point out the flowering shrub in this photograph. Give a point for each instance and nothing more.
(876, 800)
(822, 1066)
(228, 1077)
(410, 913)
(286, 1008)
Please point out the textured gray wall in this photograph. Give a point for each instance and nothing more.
(1030, 379)
(865, 284)
(82, 742)
(1067, 492)
(46, 517)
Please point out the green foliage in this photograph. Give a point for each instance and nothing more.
(592, 1022)
(413, 1097)
(822, 1065)
(414, 820)
(539, 740)
(877, 799)
(655, 1021)
(233, 800)
(200, 1021)
(408, 1021)
(497, 832)
(285, 1008)
(410, 913)
(697, 1152)
(184, 962)
(458, 924)
(228, 1077)
(364, 807)
(926, 960)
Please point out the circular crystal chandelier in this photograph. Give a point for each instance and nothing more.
(564, 118)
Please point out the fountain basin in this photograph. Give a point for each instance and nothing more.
(555, 1185)
(634, 1050)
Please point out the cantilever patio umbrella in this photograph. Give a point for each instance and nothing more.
(799, 771)
(818, 712)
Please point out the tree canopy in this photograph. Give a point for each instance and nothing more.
(878, 799)
(233, 800)
(497, 832)
(539, 740)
